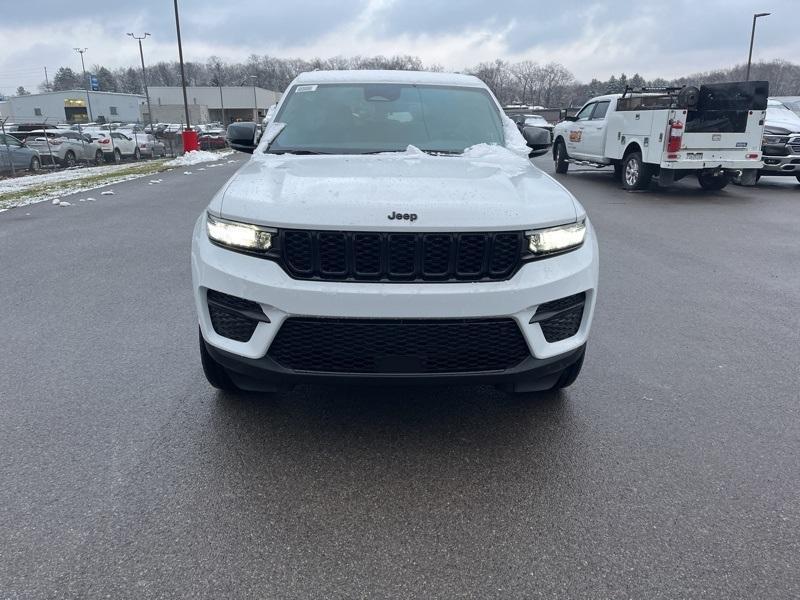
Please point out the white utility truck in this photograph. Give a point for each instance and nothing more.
(713, 132)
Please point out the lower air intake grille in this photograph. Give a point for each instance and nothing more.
(398, 346)
(561, 319)
(227, 318)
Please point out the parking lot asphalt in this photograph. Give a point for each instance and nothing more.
(669, 470)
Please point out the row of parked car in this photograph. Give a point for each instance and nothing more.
(28, 147)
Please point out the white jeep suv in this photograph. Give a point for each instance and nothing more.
(390, 228)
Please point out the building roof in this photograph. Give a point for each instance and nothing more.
(409, 77)
(62, 92)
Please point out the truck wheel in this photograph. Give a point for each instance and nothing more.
(560, 157)
(635, 174)
(713, 183)
(215, 373)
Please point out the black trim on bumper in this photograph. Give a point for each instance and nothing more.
(265, 375)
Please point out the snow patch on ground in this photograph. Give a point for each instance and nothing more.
(19, 184)
(32, 189)
(198, 156)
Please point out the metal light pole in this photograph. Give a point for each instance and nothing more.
(85, 82)
(144, 78)
(255, 100)
(752, 37)
(180, 58)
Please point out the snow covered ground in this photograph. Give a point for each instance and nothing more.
(21, 191)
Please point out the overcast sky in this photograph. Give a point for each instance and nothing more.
(592, 38)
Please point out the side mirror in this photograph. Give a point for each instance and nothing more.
(537, 139)
(572, 118)
(242, 137)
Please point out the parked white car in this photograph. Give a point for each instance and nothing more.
(62, 146)
(116, 145)
(390, 228)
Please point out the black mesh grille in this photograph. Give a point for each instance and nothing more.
(398, 346)
(226, 318)
(567, 314)
(364, 256)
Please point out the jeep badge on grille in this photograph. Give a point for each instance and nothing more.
(396, 216)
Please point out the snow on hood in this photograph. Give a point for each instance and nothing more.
(488, 186)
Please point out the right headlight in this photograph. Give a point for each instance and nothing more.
(556, 239)
(238, 236)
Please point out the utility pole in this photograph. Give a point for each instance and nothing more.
(46, 80)
(85, 82)
(752, 37)
(144, 78)
(180, 58)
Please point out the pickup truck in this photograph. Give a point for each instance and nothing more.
(390, 228)
(781, 144)
(713, 132)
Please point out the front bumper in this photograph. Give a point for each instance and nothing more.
(265, 375)
(781, 165)
(264, 281)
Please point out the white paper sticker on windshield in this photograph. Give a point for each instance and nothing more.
(306, 88)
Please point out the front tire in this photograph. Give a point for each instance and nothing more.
(560, 157)
(635, 174)
(117, 156)
(69, 159)
(713, 183)
(215, 373)
(35, 165)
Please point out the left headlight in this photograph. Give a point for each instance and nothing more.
(771, 139)
(240, 236)
(556, 239)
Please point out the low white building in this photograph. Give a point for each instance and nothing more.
(225, 104)
(75, 106)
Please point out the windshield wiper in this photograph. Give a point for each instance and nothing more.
(300, 152)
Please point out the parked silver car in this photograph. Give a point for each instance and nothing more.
(12, 151)
(63, 146)
(149, 145)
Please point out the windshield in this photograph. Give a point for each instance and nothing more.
(369, 118)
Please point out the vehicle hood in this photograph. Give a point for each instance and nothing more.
(486, 188)
(785, 119)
